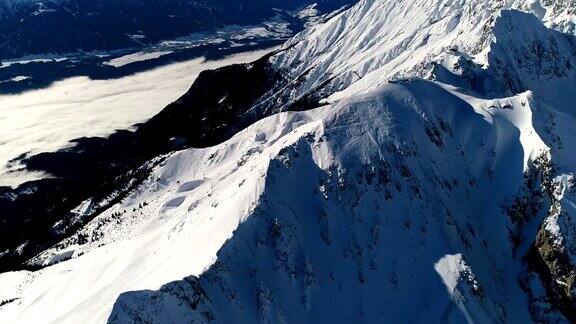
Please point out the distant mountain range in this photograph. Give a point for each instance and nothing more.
(38, 27)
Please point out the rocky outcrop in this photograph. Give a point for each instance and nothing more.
(553, 255)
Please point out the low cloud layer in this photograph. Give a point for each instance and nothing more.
(46, 120)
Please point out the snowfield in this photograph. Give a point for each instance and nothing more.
(433, 184)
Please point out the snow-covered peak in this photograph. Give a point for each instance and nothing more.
(378, 40)
(559, 14)
(388, 36)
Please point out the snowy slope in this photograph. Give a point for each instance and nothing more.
(366, 204)
(357, 165)
(434, 185)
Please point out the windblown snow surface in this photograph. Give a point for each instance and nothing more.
(414, 194)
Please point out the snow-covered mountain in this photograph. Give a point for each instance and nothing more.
(406, 161)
